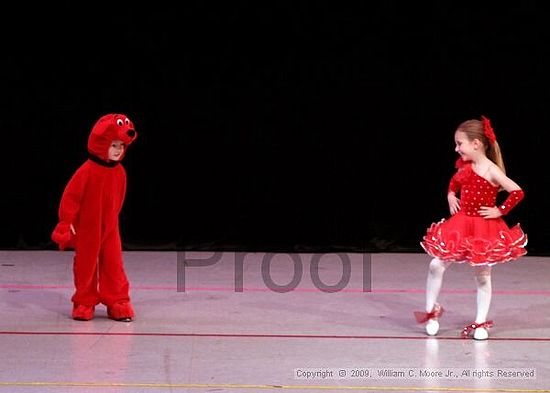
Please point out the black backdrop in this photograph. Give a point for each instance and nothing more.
(278, 126)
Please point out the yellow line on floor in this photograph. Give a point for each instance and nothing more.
(245, 386)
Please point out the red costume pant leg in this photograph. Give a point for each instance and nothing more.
(85, 271)
(113, 283)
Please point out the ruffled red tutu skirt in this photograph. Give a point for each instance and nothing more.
(476, 240)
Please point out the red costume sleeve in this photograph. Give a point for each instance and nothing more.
(123, 194)
(456, 181)
(68, 210)
(454, 184)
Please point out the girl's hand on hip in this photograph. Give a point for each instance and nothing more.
(489, 212)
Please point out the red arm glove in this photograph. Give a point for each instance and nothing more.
(513, 199)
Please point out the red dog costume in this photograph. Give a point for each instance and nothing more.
(91, 203)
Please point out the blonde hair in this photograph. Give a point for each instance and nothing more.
(474, 129)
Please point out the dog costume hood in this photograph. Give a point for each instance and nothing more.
(114, 126)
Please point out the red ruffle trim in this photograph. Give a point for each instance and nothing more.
(464, 171)
(474, 240)
(460, 163)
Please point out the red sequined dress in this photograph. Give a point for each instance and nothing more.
(468, 237)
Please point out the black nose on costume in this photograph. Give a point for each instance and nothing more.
(131, 133)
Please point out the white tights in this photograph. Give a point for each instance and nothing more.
(483, 283)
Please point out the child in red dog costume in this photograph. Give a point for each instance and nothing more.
(88, 222)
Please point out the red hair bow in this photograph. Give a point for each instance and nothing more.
(488, 129)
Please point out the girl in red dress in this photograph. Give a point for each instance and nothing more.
(475, 232)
